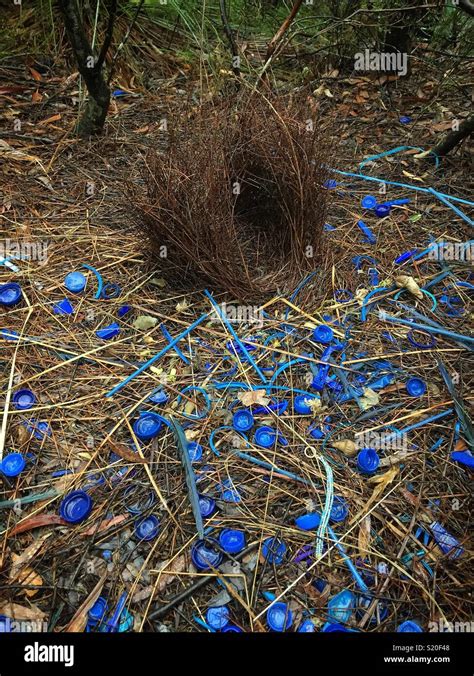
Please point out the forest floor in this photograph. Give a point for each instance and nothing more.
(66, 197)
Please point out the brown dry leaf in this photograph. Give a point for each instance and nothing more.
(105, 525)
(36, 97)
(412, 499)
(178, 566)
(408, 283)
(126, 453)
(49, 120)
(7, 151)
(364, 536)
(253, 397)
(381, 481)
(142, 130)
(27, 577)
(346, 446)
(38, 521)
(79, 621)
(26, 556)
(36, 76)
(17, 612)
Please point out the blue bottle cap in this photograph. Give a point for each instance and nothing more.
(23, 399)
(10, 294)
(264, 436)
(194, 451)
(333, 626)
(368, 460)
(382, 210)
(409, 627)
(75, 507)
(242, 420)
(301, 405)
(75, 282)
(108, 332)
(13, 464)
(369, 202)
(308, 521)
(232, 541)
(279, 617)
(415, 387)
(147, 528)
(306, 627)
(339, 510)
(207, 505)
(64, 307)
(159, 397)
(323, 334)
(147, 426)
(217, 617)
(205, 554)
(274, 550)
(98, 610)
(232, 628)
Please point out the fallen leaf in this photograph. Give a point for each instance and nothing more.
(164, 579)
(79, 621)
(17, 612)
(364, 536)
(37, 521)
(253, 397)
(381, 481)
(105, 524)
(26, 556)
(36, 97)
(49, 120)
(145, 322)
(127, 453)
(369, 399)
(36, 76)
(408, 283)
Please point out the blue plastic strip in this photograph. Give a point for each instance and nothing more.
(235, 336)
(100, 282)
(158, 356)
(169, 338)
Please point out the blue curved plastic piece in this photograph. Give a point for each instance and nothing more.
(207, 402)
(365, 308)
(169, 338)
(100, 282)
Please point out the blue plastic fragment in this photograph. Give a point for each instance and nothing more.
(409, 627)
(464, 457)
(108, 332)
(369, 235)
(194, 451)
(308, 521)
(75, 282)
(405, 119)
(64, 307)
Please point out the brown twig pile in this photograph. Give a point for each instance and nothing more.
(238, 198)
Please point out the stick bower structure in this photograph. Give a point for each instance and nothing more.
(237, 201)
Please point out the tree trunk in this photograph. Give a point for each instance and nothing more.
(89, 66)
(451, 140)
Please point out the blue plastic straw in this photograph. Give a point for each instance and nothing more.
(457, 211)
(415, 426)
(236, 337)
(160, 354)
(401, 185)
(428, 329)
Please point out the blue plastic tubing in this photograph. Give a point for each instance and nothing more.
(415, 426)
(457, 211)
(235, 336)
(401, 185)
(100, 282)
(429, 329)
(158, 356)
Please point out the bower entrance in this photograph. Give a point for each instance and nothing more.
(238, 198)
